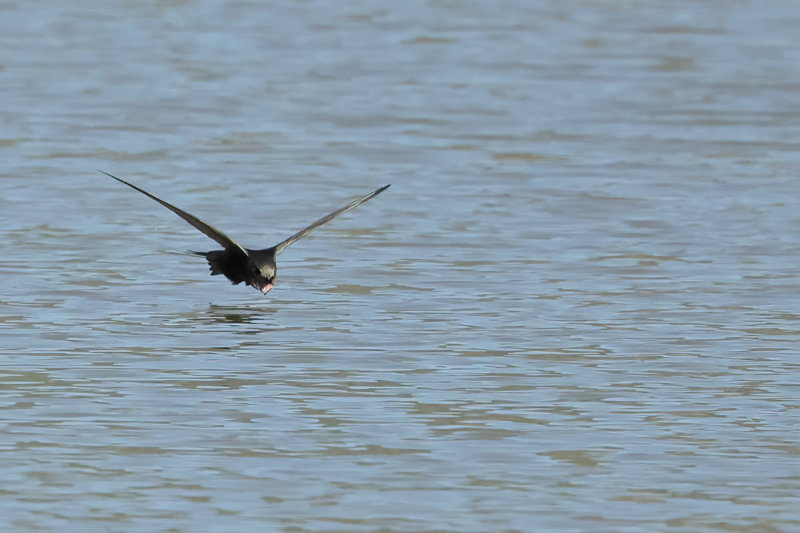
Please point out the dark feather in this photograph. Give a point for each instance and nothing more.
(327, 218)
(224, 241)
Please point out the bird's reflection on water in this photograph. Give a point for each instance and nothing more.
(236, 315)
(227, 315)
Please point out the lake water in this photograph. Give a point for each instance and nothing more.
(576, 309)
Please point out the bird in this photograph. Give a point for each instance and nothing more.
(256, 268)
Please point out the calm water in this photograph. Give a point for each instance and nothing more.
(575, 310)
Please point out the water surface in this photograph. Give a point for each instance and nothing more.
(575, 309)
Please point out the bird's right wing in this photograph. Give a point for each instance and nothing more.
(212, 232)
(305, 231)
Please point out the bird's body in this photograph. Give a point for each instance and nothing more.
(256, 268)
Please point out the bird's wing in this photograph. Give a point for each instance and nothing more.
(225, 241)
(305, 231)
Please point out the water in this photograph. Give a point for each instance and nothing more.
(575, 309)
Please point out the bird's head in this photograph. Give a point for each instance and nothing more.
(262, 270)
(262, 277)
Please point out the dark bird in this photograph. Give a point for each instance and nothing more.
(256, 268)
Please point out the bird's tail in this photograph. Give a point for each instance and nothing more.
(216, 260)
(186, 252)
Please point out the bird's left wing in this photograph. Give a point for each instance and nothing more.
(305, 231)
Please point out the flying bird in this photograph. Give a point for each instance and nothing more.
(256, 268)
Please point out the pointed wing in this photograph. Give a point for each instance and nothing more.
(303, 232)
(225, 241)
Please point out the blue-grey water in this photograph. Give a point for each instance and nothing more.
(576, 309)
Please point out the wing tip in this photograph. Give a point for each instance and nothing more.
(116, 178)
